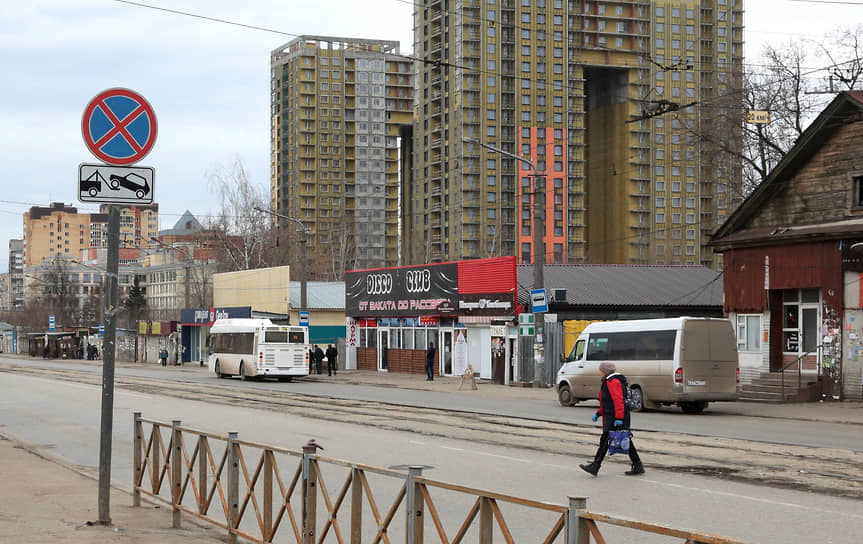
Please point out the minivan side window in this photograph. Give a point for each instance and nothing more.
(627, 346)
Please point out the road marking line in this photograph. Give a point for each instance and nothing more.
(451, 448)
(416, 442)
(136, 395)
(508, 458)
(755, 499)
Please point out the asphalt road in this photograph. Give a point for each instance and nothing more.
(61, 418)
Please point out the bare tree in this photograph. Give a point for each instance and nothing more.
(243, 233)
(788, 82)
(59, 293)
(339, 253)
(844, 49)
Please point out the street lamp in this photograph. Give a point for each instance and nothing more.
(303, 256)
(538, 214)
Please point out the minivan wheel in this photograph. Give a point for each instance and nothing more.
(564, 395)
(636, 399)
(695, 407)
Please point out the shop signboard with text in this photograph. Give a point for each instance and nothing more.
(456, 288)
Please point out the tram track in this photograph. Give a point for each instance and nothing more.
(827, 471)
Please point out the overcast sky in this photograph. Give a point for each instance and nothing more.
(207, 81)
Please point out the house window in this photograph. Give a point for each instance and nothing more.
(857, 188)
(749, 332)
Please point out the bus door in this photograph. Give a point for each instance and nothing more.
(383, 346)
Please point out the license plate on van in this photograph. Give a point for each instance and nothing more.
(696, 382)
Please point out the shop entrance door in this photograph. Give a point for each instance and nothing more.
(383, 346)
(498, 360)
(446, 347)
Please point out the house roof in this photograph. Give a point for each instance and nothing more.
(187, 224)
(628, 285)
(320, 295)
(809, 143)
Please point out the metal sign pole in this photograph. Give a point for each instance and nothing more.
(109, 348)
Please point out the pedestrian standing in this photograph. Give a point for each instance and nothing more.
(332, 354)
(312, 358)
(615, 415)
(319, 359)
(163, 356)
(430, 357)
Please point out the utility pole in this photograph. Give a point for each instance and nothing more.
(525, 343)
(304, 241)
(108, 355)
(538, 213)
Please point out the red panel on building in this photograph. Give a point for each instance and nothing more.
(487, 276)
(748, 275)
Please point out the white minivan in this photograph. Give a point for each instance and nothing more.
(687, 361)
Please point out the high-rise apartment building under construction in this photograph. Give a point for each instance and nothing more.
(609, 100)
(341, 109)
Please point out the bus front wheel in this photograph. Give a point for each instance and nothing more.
(218, 369)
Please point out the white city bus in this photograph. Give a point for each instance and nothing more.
(256, 348)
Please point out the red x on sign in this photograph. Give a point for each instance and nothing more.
(119, 126)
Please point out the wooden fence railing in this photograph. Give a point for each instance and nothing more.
(265, 493)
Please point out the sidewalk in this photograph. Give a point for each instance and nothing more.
(45, 502)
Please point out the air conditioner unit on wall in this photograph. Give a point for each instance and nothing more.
(558, 295)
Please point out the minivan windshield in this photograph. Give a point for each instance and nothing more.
(577, 351)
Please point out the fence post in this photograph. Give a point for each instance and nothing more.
(268, 495)
(310, 497)
(202, 474)
(356, 506)
(577, 531)
(176, 473)
(486, 519)
(233, 487)
(414, 506)
(154, 464)
(136, 459)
